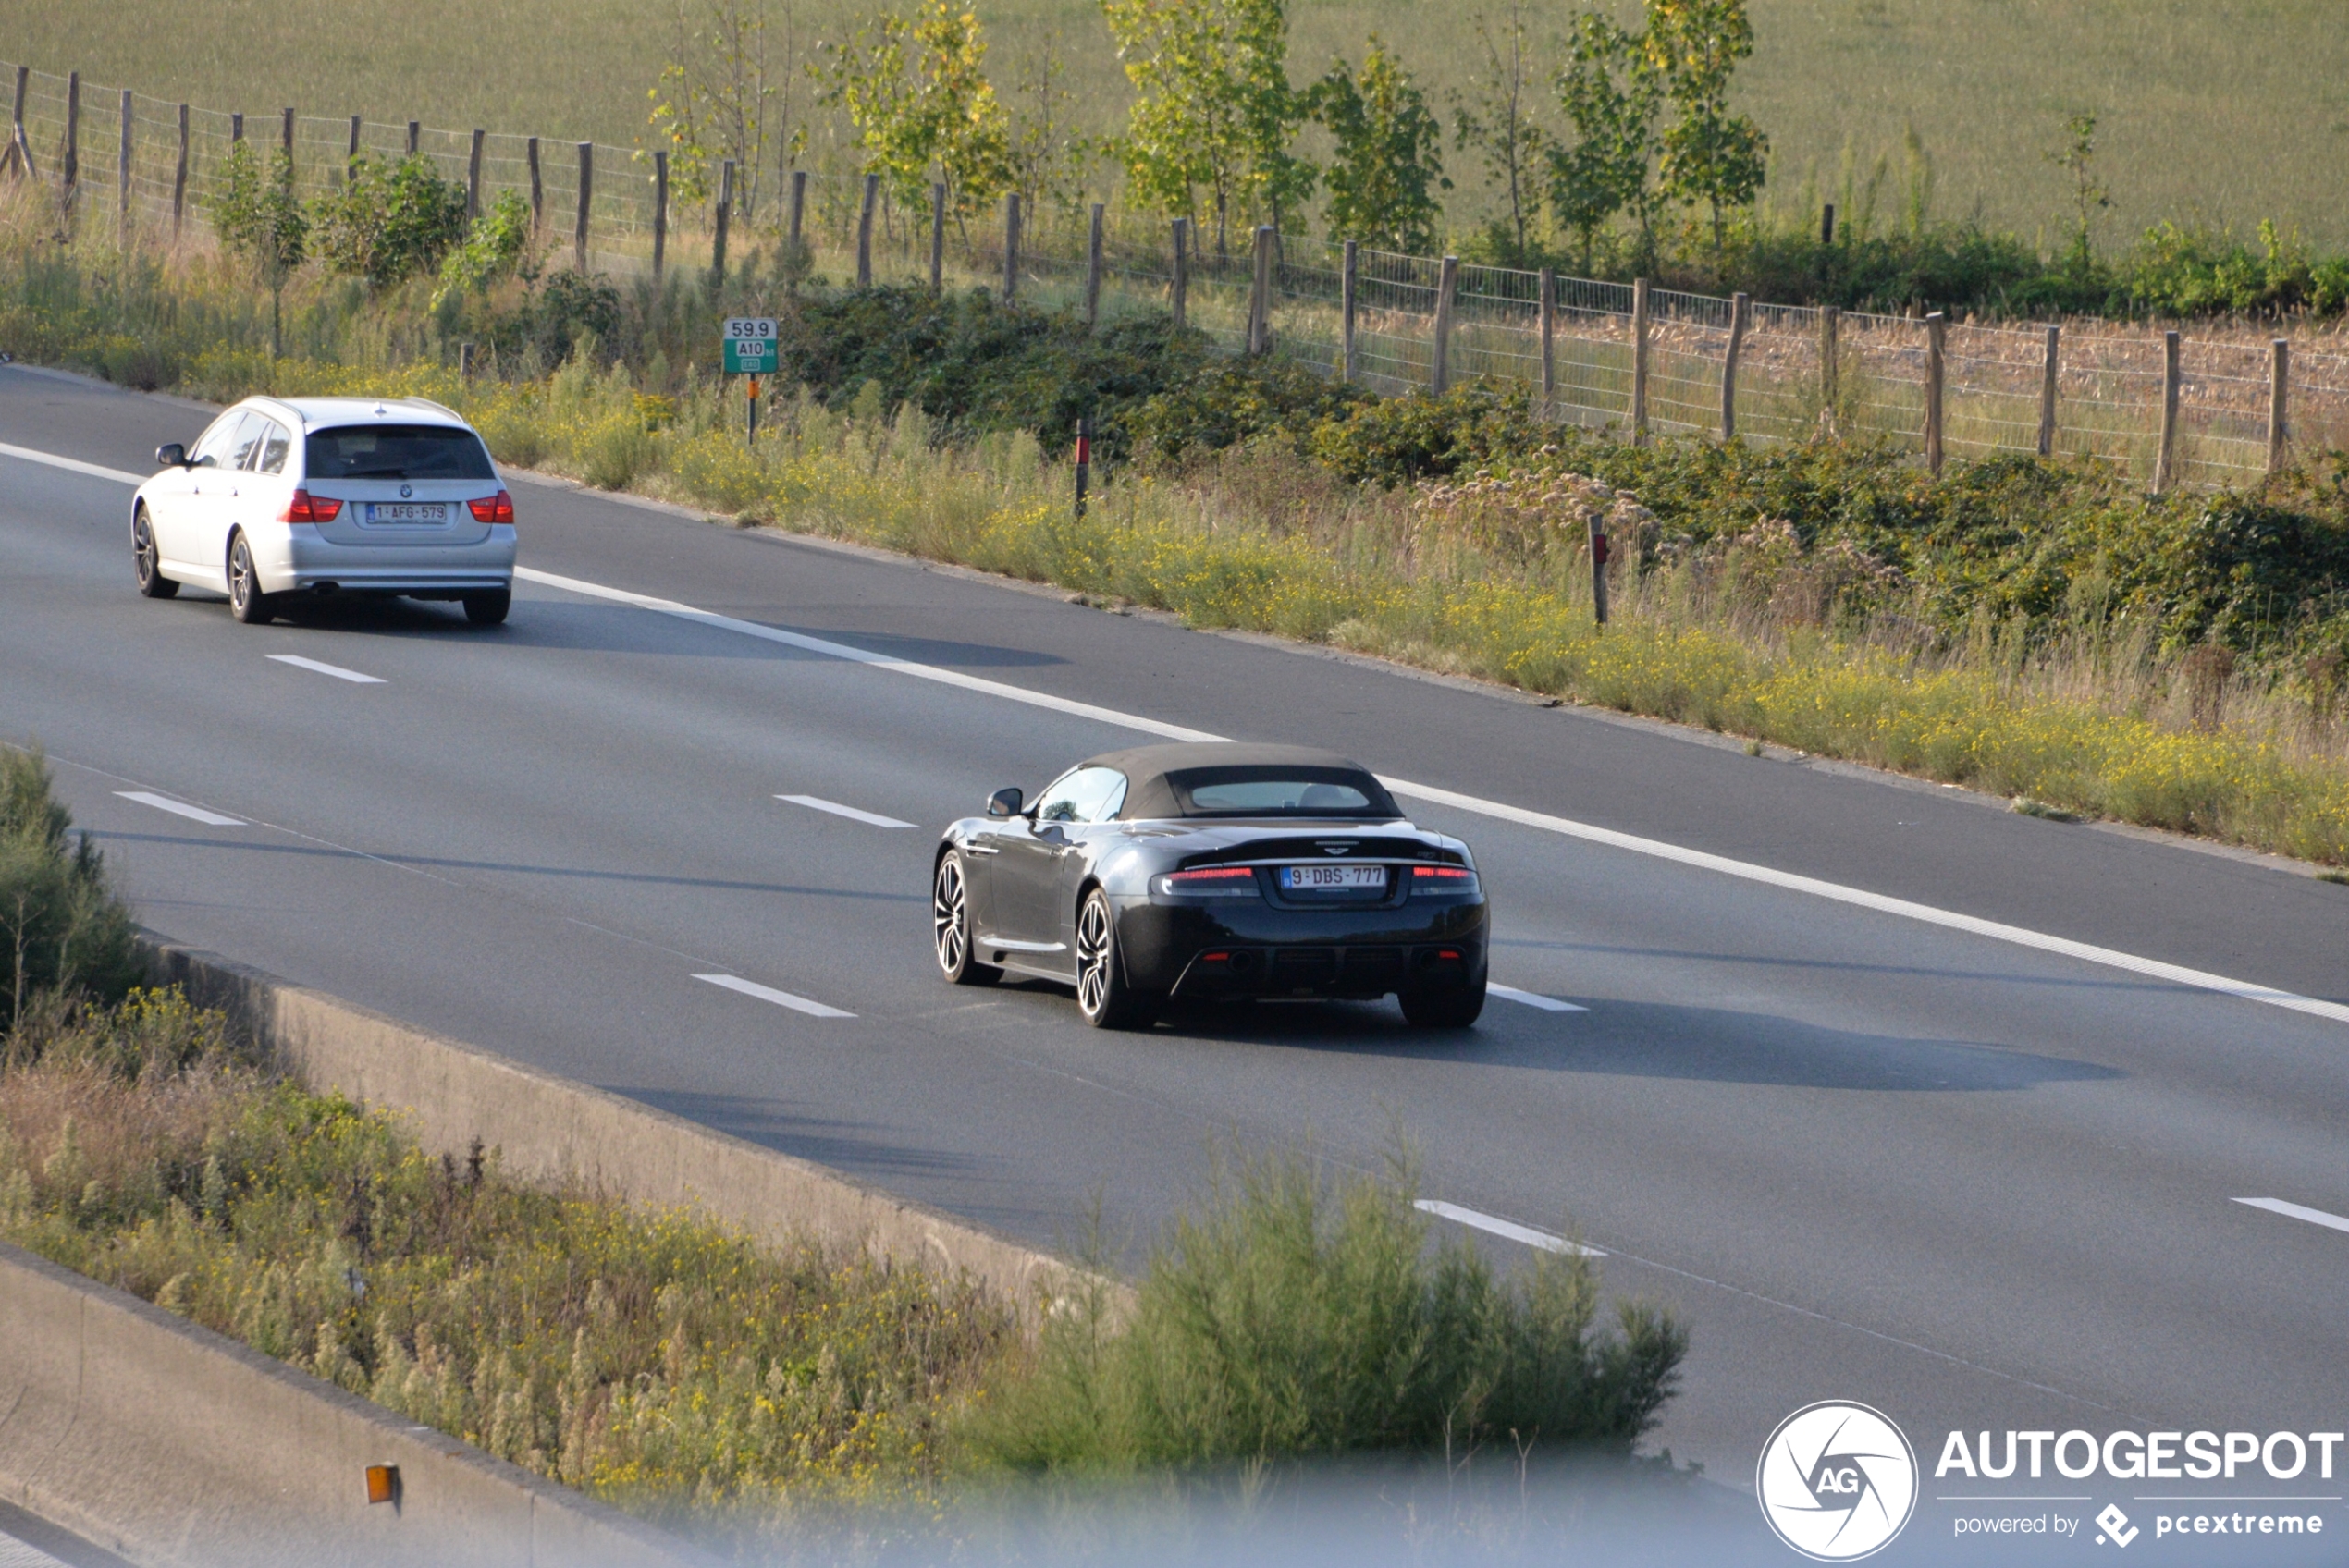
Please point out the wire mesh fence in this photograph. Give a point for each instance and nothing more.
(1600, 354)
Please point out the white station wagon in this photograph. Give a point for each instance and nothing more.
(312, 496)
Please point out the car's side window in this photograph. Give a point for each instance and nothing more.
(1090, 794)
(211, 451)
(275, 445)
(248, 437)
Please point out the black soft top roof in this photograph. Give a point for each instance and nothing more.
(1153, 772)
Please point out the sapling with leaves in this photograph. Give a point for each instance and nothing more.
(1497, 120)
(1709, 157)
(718, 97)
(917, 91)
(1611, 95)
(2077, 158)
(1388, 164)
(258, 217)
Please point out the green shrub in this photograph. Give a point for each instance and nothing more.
(493, 247)
(1294, 1315)
(1231, 402)
(388, 224)
(62, 927)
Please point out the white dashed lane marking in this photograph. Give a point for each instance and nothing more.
(2295, 1211)
(768, 994)
(1509, 1230)
(872, 819)
(181, 808)
(1530, 999)
(334, 669)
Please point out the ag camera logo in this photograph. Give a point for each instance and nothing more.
(1837, 1481)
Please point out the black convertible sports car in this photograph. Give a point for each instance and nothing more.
(1216, 870)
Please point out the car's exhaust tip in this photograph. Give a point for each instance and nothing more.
(325, 590)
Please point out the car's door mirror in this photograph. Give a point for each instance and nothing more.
(171, 454)
(1003, 802)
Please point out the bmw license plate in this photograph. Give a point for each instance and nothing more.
(407, 511)
(1332, 878)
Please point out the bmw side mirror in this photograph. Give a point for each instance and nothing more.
(171, 454)
(1003, 802)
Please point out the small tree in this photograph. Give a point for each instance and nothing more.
(2077, 158)
(1213, 107)
(494, 248)
(1046, 157)
(258, 217)
(1710, 156)
(916, 91)
(1611, 96)
(715, 96)
(1497, 121)
(387, 223)
(1387, 166)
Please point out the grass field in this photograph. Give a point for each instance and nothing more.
(2226, 111)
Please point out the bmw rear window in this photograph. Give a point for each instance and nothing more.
(397, 451)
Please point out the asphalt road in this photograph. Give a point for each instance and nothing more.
(1974, 1182)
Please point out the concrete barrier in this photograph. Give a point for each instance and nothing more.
(546, 1127)
(176, 1448)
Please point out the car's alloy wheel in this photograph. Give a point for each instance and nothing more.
(1103, 995)
(147, 560)
(950, 918)
(1446, 1009)
(246, 601)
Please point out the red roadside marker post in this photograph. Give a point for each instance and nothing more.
(1084, 461)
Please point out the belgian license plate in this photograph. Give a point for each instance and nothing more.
(407, 511)
(1330, 878)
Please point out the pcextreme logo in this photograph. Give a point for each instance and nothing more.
(1837, 1481)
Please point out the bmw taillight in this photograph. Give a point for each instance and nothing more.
(494, 509)
(1228, 880)
(307, 507)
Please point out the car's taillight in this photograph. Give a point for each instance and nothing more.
(1443, 872)
(500, 509)
(1224, 879)
(307, 507)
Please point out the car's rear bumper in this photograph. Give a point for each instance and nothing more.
(299, 565)
(1258, 951)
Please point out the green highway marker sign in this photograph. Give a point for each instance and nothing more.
(750, 345)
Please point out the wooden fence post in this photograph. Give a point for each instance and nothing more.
(586, 206)
(1640, 362)
(1259, 293)
(122, 173)
(938, 238)
(2047, 391)
(1546, 312)
(1830, 352)
(350, 155)
(415, 136)
(180, 179)
(660, 210)
(798, 213)
(1179, 280)
(1011, 246)
(1937, 326)
(19, 146)
(865, 231)
(1349, 279)
(1827, 224)
(2278, 397)
(73, 132)
(1439, 369)
(538, 187)
(1741, 314)
(286, 133)
(472, 173)
(2165, 458)
(1093, 267)
(720, 219)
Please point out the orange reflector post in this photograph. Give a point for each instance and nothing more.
(383, 1483)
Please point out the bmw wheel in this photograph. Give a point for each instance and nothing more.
(246, 601)
(146, 560)
(950, 919)
(1103, 995)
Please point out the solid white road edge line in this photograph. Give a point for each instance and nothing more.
(177, 808)
(2085, 952)
(1507, 1229)
(816, 803)
(71, 465)
(768, 994)
(2295, 1211)
(1530, 999)
(334, 669)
